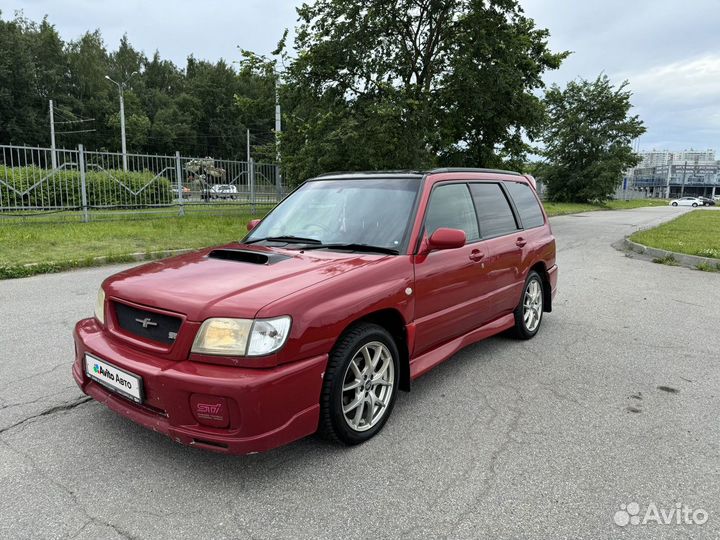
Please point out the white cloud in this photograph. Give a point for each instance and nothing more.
(689, 82)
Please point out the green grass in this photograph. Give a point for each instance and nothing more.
(561, 209)
(58, 247)
(667, 259)
(695, 233)
(635, 203)
(707, 267)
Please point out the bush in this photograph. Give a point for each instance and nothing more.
(112, 188)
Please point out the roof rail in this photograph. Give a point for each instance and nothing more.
(361, 173)
(471, 170)
(410, 172)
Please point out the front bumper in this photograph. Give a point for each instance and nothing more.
(267, 407)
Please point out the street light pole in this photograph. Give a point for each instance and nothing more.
(122, 129)
(53, 156)
(121, 89)
(278, 129)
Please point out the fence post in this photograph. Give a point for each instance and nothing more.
(83, 186)
(251, 180)
(278, 181)
(179, 182)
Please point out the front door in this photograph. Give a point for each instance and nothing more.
(449, 283)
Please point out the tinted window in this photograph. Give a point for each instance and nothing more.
(494, 212)
(526, 204)
(451, 206)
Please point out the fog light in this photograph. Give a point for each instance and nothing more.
(210, 411)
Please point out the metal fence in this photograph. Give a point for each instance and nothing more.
(37, 181)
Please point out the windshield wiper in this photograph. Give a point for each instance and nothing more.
(367, 248)
(287, 239)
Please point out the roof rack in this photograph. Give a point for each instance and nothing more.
(408, 172)
(360, 173)
(471, 170)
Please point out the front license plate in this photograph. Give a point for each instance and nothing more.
(118, 380)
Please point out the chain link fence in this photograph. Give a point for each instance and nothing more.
(86, 185)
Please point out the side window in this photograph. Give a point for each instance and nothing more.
(451, 206)
(526, 204)
(494, 212)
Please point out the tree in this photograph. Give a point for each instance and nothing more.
(412, 84)
(588, 139)
(20, 117)
(194, 111)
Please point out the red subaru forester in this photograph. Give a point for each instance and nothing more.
(349, 289)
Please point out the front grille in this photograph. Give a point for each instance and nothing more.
(147, 324)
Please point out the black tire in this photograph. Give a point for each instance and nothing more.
(674, 204)
(333, 424)
(694, 205)
(521, 330)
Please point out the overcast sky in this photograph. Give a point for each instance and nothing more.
(669, 50)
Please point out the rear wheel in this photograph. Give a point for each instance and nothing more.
(360, 385)
(529, 312)
(674, 204)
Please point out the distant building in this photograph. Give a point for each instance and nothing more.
(662, 173)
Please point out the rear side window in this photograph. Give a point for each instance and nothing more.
(451, 206)
(494, 212)
(527, 204)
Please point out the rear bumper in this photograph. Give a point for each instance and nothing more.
(553, 277)
(266, 407)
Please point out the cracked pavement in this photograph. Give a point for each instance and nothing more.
(614, 401)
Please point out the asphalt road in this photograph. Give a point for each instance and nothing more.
(615, 401)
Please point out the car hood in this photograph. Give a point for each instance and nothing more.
(200, 286)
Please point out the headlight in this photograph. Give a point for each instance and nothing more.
(100, 306)
(241, 337)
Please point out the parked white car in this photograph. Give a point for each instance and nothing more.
(221, 191)
(686, 201)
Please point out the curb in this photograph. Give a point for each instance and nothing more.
(691, 261)
(119, 259)
(33, 269)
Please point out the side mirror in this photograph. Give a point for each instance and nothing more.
(447, 239)
(252, 224)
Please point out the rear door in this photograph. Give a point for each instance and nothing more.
(449, 283)
(530, 243)
(500, 230)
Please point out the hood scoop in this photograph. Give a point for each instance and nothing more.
(245, 256)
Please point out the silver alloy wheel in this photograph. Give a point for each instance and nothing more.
(532, 305)
(368, 386)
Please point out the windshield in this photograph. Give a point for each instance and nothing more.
(375, 212)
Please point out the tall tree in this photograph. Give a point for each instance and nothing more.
(412, 83)
(90, 95)
(588, 139)
(20, 115)
(194, 110)
(219, 131)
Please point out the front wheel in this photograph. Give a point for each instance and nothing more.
(360, 385)
(674, 204)
(529, 312)
(694, 205)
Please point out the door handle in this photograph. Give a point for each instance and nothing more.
(476, 255)
(520, 242)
